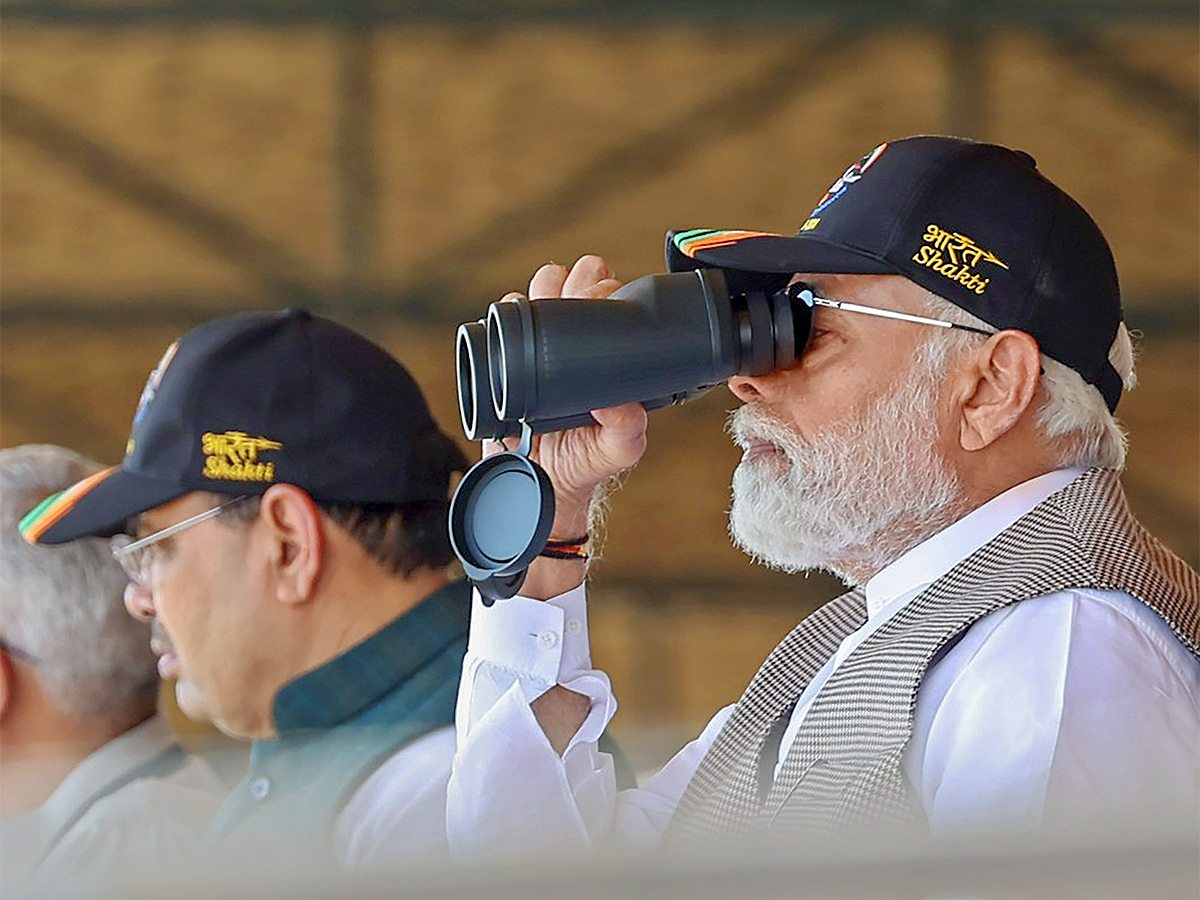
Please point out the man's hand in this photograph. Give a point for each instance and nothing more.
(580, 460)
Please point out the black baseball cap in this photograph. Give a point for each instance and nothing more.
(975, 223)
(254, 399)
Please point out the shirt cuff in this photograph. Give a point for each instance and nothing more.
(535, 645)
(544, 640)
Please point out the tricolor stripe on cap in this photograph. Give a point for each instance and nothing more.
(692, 242)
(43, 516)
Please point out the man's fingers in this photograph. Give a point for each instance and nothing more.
(600, 290)
(622, 432)
(547, 282)
(627, 417)
(587, 272)
(590, 277)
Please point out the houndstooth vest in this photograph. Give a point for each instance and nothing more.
(844, 769)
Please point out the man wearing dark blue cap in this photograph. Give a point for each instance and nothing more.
(281, 512)
(1015, 650)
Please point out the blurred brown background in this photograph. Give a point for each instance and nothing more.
(399, 165)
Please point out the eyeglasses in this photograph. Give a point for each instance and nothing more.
(139, 558)
(800, 293)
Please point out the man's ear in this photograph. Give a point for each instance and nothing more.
(996, 387)
(296, 540)
(6, 682)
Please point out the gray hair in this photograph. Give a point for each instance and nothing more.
(1073, 414)
(64, 606)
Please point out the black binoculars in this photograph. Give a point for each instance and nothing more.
(659, 340)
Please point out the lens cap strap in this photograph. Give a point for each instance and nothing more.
(525, 445)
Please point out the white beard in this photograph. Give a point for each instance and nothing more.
(852, 498)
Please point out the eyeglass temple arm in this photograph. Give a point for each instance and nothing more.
(891, 314)
(118, 552)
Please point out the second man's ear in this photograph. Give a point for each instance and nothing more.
(296, 541)
(7, 682)
(997, 387)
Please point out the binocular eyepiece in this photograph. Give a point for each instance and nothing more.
(665, 339)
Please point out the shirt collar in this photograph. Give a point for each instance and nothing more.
(348, 684)
(937, 555)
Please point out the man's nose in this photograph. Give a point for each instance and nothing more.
(139, 601)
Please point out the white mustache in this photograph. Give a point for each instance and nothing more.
(749, 423)
(856, 492)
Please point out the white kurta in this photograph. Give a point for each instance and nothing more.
(397, 816)
(1078, 702)
(99, 825)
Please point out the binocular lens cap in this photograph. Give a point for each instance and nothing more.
(500, 520)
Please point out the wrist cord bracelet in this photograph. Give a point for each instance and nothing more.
(572, 548)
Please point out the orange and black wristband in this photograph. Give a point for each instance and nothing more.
(572, 548)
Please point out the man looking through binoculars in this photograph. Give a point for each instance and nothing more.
(1015, 650)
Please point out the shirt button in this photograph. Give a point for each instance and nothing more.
(260, 788)
(574, 626)
(547, 640)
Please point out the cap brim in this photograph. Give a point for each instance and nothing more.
(98, 506)
(756, 251)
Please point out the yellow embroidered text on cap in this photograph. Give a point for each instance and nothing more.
(233, 456)
(960, 254)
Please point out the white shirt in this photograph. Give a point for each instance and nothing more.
(1074, 702)
(94, 827)
(398, 815)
